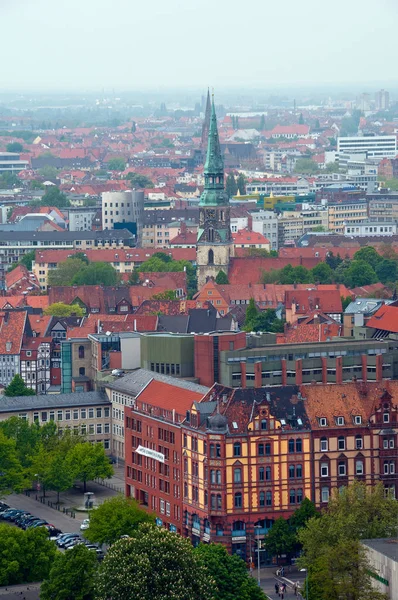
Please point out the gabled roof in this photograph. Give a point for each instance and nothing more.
(12, 329)
(168, 396)
(245, 236)
(310, 300)
(386, 319)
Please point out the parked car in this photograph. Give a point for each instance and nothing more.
(63, 539)
(21, 517)
(85, 525)
(30, 522)
(38, 524)
(73, 542)
(9, 514)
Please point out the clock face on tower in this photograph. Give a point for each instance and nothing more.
(211, 214)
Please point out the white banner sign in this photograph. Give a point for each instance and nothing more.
(150, 453)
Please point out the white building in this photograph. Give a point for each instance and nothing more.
(123, 207)
(374, 146)
(81, 218)
(368, 228)
(11, 163)
(266, 222)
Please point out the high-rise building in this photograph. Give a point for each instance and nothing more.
(123, 207)
(215, 245)
(382, 100)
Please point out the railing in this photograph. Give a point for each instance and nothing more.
(54, 505)
(110, 486)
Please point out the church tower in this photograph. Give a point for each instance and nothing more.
(206, 126)
(214, 245)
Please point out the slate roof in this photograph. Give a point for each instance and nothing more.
(20, 403)
(134, 382)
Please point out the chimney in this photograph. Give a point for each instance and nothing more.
(339, 369)
(299, 371)
(284, 371)
(243, 373)
(364, 361)
(379, 367)
(324, 361)
(257, 374)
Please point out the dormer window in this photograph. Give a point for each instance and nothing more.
(323, 422)
(339, 420)
(357, 420)
(386, 417)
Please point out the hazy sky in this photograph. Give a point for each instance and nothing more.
(135, 44)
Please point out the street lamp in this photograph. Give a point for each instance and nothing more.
(306, 583)
(258, 527)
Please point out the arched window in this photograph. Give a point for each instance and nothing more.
(299, 496)
(237, 475)
(210, 260)
(291, 471)
(299, 471)
(238, 526)
(81, 351)
(238, 500)
(299, 445)
(262, 499)
(268, 498)
(291, 445)
(292, 496)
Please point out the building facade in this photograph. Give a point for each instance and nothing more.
(377, 146)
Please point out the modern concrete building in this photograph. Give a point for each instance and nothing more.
(377, 146)
(341, 215)
(383, 557)
(266, 222)
(81, 217)
(123, 207)
(10, 162)
(370, 228)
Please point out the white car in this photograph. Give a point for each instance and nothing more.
(85, 524)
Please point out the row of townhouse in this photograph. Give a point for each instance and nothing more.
(222, 466)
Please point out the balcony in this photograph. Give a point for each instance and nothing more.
(239, 533)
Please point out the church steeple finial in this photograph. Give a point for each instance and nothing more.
(214, 162)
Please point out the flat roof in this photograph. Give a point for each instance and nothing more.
(386, 546)
(24, 403)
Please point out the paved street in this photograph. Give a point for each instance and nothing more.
(61, 521)
(268, 580)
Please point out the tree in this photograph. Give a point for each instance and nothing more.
(96, 273)
(280, 538)
(116, 164)
(88, 461)
(369, 255)
(392, 184)
(12, 478)
(231, 187)
(333, 261)
(262, 123)
(139, 181)
(386, 271)
(241, 184)
(54, 197)
(303, 514)
(9, 181)
(166, 295)
(322, 273)
(48, 172)
(17, 387)
(222, 278)
(297, 274)
(332, 167)
(71, 576)
(58, 477)
(59, 309)
(232, 580)
(359, 273)
(26, 260)
(134, 278)
(153, 563)
(65, 272)
(262, 320)
(25, 555)
(251, 314)
(14, 147)
(133, 127)
(114, 518)
(305, 166)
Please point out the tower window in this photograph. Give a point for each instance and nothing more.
(211, 254)
(211, 235)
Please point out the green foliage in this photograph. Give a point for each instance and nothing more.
(166, 295)
(12, 474)
(359, 273)
(87, 462)
(297, 274)
(345, 302)
(116, 164)
(65, 272)
(71, 576)
(333, 261)
(332, 167)
(337, 564)
(14, 147)
(17, 387)
(25, 555)
(222, 278)
(153, 563)
(54, 197)
(231, 187)
(139, 181)
(369, 255)
(97, 273)
(322, 273)
(305, 166)
(281, 538)
(349, 125)
(303, 514)
(134, 278)
(48, 172)
(392, 184)
(9, 181)
(59, 309)
(262, 253)
(241, 184)
(386, 270)
(301, 119)
(162, 262)
(26, 260)
(58, 477)
(232, 580)
(262, 320)
(27, 136)
(116, 517)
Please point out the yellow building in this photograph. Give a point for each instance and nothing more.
(346, 214)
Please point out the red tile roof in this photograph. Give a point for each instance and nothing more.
(135, 255)
(245, 236)
(328, 301)
(39, 324)
(250, 269)
(12, 330)
(168, 397)
(386, 319)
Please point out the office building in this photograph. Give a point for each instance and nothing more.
(373, 146)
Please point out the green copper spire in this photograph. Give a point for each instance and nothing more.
(213, 194)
